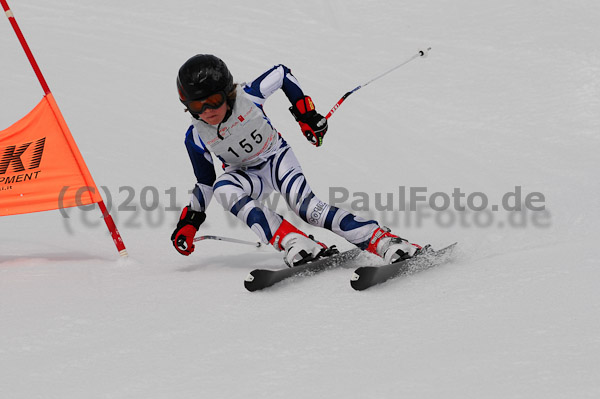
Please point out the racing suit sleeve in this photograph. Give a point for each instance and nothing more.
(204, 170)
(275, 78)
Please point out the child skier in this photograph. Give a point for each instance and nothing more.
(229, 122)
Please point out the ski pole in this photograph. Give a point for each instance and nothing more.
(420, 53)
(234, 240)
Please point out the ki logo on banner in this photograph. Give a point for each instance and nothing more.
(12, 156)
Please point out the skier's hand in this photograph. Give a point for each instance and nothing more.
(188, 225)
(313, 124)
(183, 239)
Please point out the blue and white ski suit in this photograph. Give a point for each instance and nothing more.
(257, 160)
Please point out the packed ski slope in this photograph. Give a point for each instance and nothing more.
(507, 100)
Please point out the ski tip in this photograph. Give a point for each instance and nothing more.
(249, 283)
(355, 280)
(356, 283)
(449, 249)
(358, 286)
(258, 279)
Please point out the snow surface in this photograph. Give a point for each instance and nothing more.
(509, 96)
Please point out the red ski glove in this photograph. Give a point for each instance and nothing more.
(188, 225)
(313, 124)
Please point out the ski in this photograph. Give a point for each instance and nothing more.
(368, 276)
(263, 278)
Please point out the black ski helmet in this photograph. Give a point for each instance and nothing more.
(201, 76)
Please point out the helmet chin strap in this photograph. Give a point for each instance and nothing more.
(228, 113)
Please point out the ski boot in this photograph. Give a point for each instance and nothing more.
(299, 248)
(391, 247)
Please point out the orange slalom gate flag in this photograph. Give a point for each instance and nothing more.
(41, 167)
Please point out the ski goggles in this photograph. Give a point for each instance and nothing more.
(213, 101)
